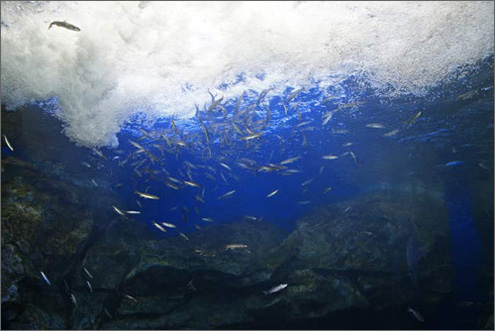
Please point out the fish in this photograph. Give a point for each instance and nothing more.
(252, 136)
(175, 187)
(207, 219)
(291, 160)
(89, 286)
(138, 146)
(327, 117)
(391, 133)
(275, 289)
(94, 182)
(86, 164)
(484, 166)
(120, 212)
(347, 209)
(354, 158)
(226, 195)
(9, 145)
(169, 225)
(107, 313)
(161, 228)
(235, 246)
(272, 194)
(184, 236)
(214, 103)
(303, 124)
(252, 218)
(173, 125)
(467, 95)
(293, 95)
(326, 190)
(454, 163)
(45, 278)
(146, 195)
(184, 216)
(207, 135)
(131, 298)
(237, 128)
(64, 24)
(375, 126)
(309, 181)
(133, 212)
(263, 94)
(416, 314)
(139, 204)
(200, 199)
(321, 169)
(329, 157)
(413, 119)
(239, 100)
(304, 202)
(87, 273)
(175, 180)
(225, 166)
(193, 184)
(73, 299)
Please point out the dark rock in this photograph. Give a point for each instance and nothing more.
(371, 253)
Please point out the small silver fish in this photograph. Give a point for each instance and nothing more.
(8, 143)
(235, 246)
(275, 289)
(272, 194)
(45, 278)
(87, 273)
(89, 286)
(120, 212)
(107, 313)
(225, 166)
(73, 299)
(131, 298)
(375, 125)
(416, 314)
(159, 227)
(226, 195)
(146, 195)
(391, 133)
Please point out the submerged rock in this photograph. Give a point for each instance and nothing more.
(370, 253)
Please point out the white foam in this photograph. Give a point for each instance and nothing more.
(162, 57)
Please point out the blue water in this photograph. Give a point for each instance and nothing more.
(446, 143)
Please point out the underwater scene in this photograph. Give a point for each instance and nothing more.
(247, 165)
